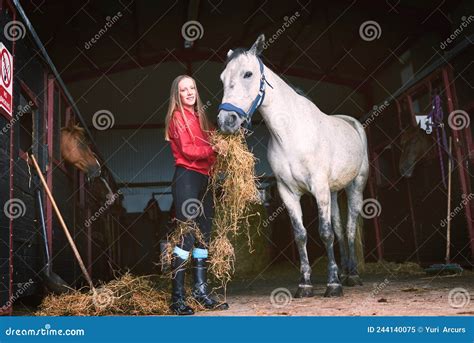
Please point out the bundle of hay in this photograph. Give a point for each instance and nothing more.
(234, 187)
(127, 295)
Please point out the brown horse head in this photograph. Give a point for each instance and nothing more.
(415, 143)
(75, 150)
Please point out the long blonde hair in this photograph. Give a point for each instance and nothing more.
(175, 104)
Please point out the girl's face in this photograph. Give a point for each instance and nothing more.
(187, 92)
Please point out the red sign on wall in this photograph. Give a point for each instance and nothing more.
(6, 81)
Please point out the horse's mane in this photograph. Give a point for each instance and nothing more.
(236, 53)
(76, 131)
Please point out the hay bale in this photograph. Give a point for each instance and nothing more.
(384, 267)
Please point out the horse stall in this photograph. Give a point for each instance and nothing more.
(415, 230)
(41, 106)
(100, 73)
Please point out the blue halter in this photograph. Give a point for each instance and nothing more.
(247, 116)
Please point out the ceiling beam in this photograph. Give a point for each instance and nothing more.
(193, 55)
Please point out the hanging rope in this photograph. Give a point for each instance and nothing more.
(436, 115)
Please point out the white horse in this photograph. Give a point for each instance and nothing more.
(308, 151)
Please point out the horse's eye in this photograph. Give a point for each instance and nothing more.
(247, 74)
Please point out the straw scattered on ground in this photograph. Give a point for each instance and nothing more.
(384, 267)
(127, 295)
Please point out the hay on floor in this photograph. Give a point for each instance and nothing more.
(127, 295)
(384, 267)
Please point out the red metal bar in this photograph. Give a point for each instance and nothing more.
(409, 192)
(11, 171)
(470, 143)
(463, 175)
(27, 90)
(49, 171)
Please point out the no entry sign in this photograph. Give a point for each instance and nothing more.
(6, 81)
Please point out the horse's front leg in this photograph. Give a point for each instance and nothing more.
(323, 196)
(292, 202)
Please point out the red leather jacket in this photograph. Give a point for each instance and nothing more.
(190, 144)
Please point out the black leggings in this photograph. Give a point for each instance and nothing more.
(192, 202)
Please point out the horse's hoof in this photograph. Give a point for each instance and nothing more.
(352, 280)
(334, 291)
(305, 291)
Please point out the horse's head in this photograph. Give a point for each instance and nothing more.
(75, 150)
(414, 143)
(243, 80)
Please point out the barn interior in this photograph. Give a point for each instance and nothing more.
(117, 60)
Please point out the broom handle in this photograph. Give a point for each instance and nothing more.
(63, 224)
(448, 217)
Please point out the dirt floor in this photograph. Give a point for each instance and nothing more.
(387, 293)
(388, 290)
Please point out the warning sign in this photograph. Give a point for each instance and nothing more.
(6, 81)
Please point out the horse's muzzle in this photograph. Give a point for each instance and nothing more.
(228, 122)
(93, 171)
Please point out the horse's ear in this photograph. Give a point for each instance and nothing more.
(71, 123)
(229, 53)
(258, 46)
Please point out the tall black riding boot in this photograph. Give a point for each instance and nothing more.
(200, 291)
(178, 296)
